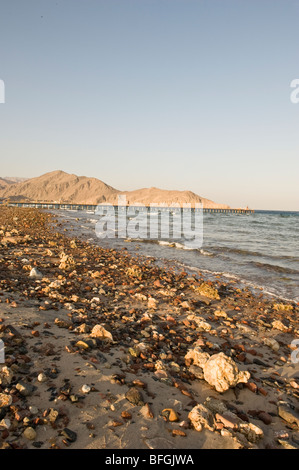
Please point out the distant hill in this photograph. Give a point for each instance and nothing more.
(3, 183)
(58, 186)
(14, 179)
(158, 196)
(8, 181)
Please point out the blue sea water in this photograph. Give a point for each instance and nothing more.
(259, 250)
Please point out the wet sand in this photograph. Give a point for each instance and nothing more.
(103, 351)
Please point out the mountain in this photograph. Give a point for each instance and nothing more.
(169, 197)
(58, 186)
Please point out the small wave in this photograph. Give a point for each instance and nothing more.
(275, 267)
(238, 251)
(178, 245)
(165, 243)
(172, 244)
(205, 252)
(181, 246)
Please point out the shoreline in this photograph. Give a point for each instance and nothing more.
(135, 337)
(239, 280)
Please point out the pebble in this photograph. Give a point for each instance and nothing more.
(252, 432)
(35, 274)
(288, 414)
(99, 331)
(5, 400)
(33, 410)
(170, 414)
(30, 434)
(179, 432)
(134, 396)
(5, 423)
(85, 388)
(271, 343)
(41, 377)
(126, 415)
(53, 415)
(265, 417)
(71, 436)
(25, 389)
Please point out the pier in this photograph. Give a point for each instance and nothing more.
(93, 207)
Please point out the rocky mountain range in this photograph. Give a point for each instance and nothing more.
(62, 187)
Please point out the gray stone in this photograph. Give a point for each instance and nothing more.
(197, 371)
(134, 396)
(215, 405)
(25, 389)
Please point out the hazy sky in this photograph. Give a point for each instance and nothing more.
(177, 94)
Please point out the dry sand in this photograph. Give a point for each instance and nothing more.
(47, 328)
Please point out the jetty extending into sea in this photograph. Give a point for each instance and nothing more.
(93, 207)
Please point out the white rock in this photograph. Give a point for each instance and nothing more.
(271, 343)
(41, 377)
(278, 325)
(85, 388)
(99, 331)
(222, 372)
(200, 417)
(197, 357)
(35, 274)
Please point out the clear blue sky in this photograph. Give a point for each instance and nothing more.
(177, 94)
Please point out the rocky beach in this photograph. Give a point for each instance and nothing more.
(104, 350)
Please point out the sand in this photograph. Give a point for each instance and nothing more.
(53, 324)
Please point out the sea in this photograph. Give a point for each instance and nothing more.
(257, 250)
